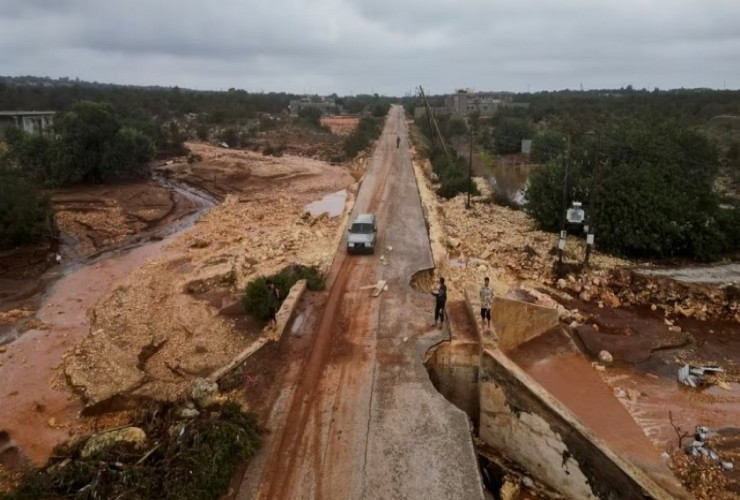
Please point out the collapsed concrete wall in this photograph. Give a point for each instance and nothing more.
(453, 370)
(521, 419)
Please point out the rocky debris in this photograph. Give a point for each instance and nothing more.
(693, 376)
(605, 357)
(99, 370)
(204, 392)
(100, 442)
(179, 298)
(626, 345)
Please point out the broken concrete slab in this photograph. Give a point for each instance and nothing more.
(516, 322)
(100, 370)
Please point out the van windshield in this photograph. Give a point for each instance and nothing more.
(361, 228)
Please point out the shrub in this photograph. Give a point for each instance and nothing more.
(368, 129)
(255, 294)
(196, 461)
(311, 116)
(25, 217)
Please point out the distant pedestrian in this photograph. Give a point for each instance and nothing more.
(398, 141)
(486, 297)
(439, 307)
(273, 301)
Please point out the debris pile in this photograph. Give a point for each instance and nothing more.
(161, 454)
(694, 376)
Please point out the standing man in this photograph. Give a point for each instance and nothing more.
(439, 307)
(486, 297)
(273, 300)
(398, 141)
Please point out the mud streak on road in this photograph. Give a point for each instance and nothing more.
(343, 332)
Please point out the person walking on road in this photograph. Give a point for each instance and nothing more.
(273, 301)
(439, 308)
(398, 141)
(486, 297)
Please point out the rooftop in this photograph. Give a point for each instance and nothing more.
(27, 113)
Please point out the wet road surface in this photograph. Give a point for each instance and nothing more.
(359, 417)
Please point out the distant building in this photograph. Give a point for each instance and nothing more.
(327, 106)
(465, 102)
(33, 122)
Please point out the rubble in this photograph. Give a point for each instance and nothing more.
(693, 376)
(104, 440)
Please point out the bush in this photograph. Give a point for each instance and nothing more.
(453, 176)
(276, 151)
(194, 158)
(25, 217)
(509, 134)
(368, 129)
(197, 461)
(255, 295)
(311, 116)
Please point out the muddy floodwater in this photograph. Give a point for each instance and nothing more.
(37, 409)
(332, 204)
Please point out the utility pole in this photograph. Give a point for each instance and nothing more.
(470, 165)
(561, 241)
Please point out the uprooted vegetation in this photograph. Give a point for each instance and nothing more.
(184, 457)
(255, 294)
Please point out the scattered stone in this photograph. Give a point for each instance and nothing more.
(653, 307)
(52, 422)
(204, 392)
(527, 482)
(187, 413)
(3, 348)
(562, 284)
(599, 368)
(453, 242)
(605, 357)
(633, 394)
(100, 442)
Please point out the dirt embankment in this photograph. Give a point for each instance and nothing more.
(177, 319)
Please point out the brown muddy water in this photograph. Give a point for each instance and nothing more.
(37, 410)
(332, 204)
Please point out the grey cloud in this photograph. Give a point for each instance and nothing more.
(382, 45)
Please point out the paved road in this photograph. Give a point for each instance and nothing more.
(363, 420)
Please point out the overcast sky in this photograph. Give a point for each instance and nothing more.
(385, 46)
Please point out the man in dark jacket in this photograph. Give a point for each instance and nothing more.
(439, 307)
(273, 302)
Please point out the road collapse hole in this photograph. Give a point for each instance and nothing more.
(423, 281)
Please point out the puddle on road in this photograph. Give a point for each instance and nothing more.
(332, 204)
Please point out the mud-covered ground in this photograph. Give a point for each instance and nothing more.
(91, 220)
(145, 322)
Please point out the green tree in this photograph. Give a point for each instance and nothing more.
(509, 134)
(651, 193)
(311, 115)
(87, 133)
(25, 216)
(548, 145)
